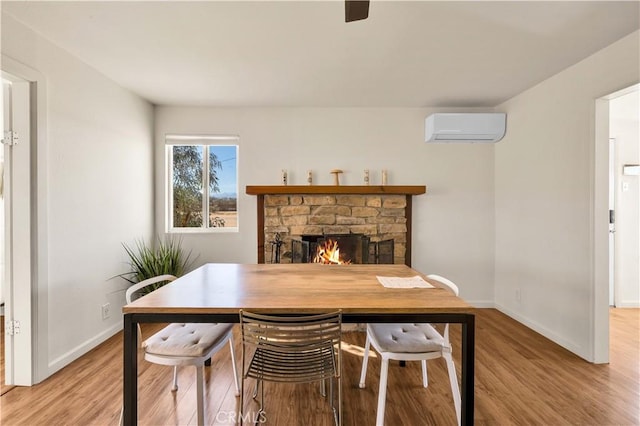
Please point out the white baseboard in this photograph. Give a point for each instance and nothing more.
(554, 337)
(628, 304)
(82, 349)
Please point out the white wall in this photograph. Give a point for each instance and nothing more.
(99, 177)
(2, 232)
(544, 184)
(453, 224)
(625, 126)
(2, 242)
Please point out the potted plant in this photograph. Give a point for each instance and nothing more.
(164, 257)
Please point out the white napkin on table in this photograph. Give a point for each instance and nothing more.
(403, 282)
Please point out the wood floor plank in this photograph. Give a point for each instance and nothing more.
(522, 378)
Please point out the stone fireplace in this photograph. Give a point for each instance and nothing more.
(294, 218)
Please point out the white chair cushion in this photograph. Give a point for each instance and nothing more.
(188, 340)
(409, 338)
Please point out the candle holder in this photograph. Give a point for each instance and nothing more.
(336, 176)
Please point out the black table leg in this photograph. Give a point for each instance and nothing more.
(468, 357)
(130, 381)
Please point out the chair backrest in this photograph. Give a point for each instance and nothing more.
(153, 281)
(449, 285)
(294, 340)
(146, 283)
(290, 333)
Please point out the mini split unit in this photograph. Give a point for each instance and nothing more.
(465, 127)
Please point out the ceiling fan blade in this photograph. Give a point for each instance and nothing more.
(356, 10)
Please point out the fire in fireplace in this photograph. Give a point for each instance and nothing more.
(341, 248)
(328, 253)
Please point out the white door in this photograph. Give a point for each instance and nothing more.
(17, 214)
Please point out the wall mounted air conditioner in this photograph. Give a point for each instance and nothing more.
(465, 127)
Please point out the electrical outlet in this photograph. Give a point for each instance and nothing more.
(518, 295)
(106, 311)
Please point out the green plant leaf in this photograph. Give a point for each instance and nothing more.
(165, 257)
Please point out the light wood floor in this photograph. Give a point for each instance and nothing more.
(521, 379)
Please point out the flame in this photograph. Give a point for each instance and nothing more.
(329, 254)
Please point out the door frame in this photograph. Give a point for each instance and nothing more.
(600, 227)
(18, 253)
(613, 149)
(38, 297)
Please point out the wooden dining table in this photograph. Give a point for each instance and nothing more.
(216, 292)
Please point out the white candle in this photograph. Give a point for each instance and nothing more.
(384, 177)
(284, 177)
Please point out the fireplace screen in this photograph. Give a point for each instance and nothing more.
(341, 249)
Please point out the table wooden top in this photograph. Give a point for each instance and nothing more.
(223, 288)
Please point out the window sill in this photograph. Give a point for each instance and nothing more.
(203, 230)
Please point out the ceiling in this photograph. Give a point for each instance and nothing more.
(302, 53)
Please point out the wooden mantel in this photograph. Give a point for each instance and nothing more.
(337, 189)
(261, 191)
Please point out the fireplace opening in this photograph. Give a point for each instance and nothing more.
(329, 254)
(350, 248)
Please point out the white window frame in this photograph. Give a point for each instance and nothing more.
(205, 141)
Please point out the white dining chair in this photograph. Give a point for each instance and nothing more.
(183, 344)
(410, 342)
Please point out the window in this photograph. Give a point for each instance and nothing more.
(203, 183)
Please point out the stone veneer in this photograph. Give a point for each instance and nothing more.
(380, 217)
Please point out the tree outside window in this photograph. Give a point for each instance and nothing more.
(194, 168)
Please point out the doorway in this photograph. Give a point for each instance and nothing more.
(609, 284)
(5, 118)
(624, 118)
(29, 226)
